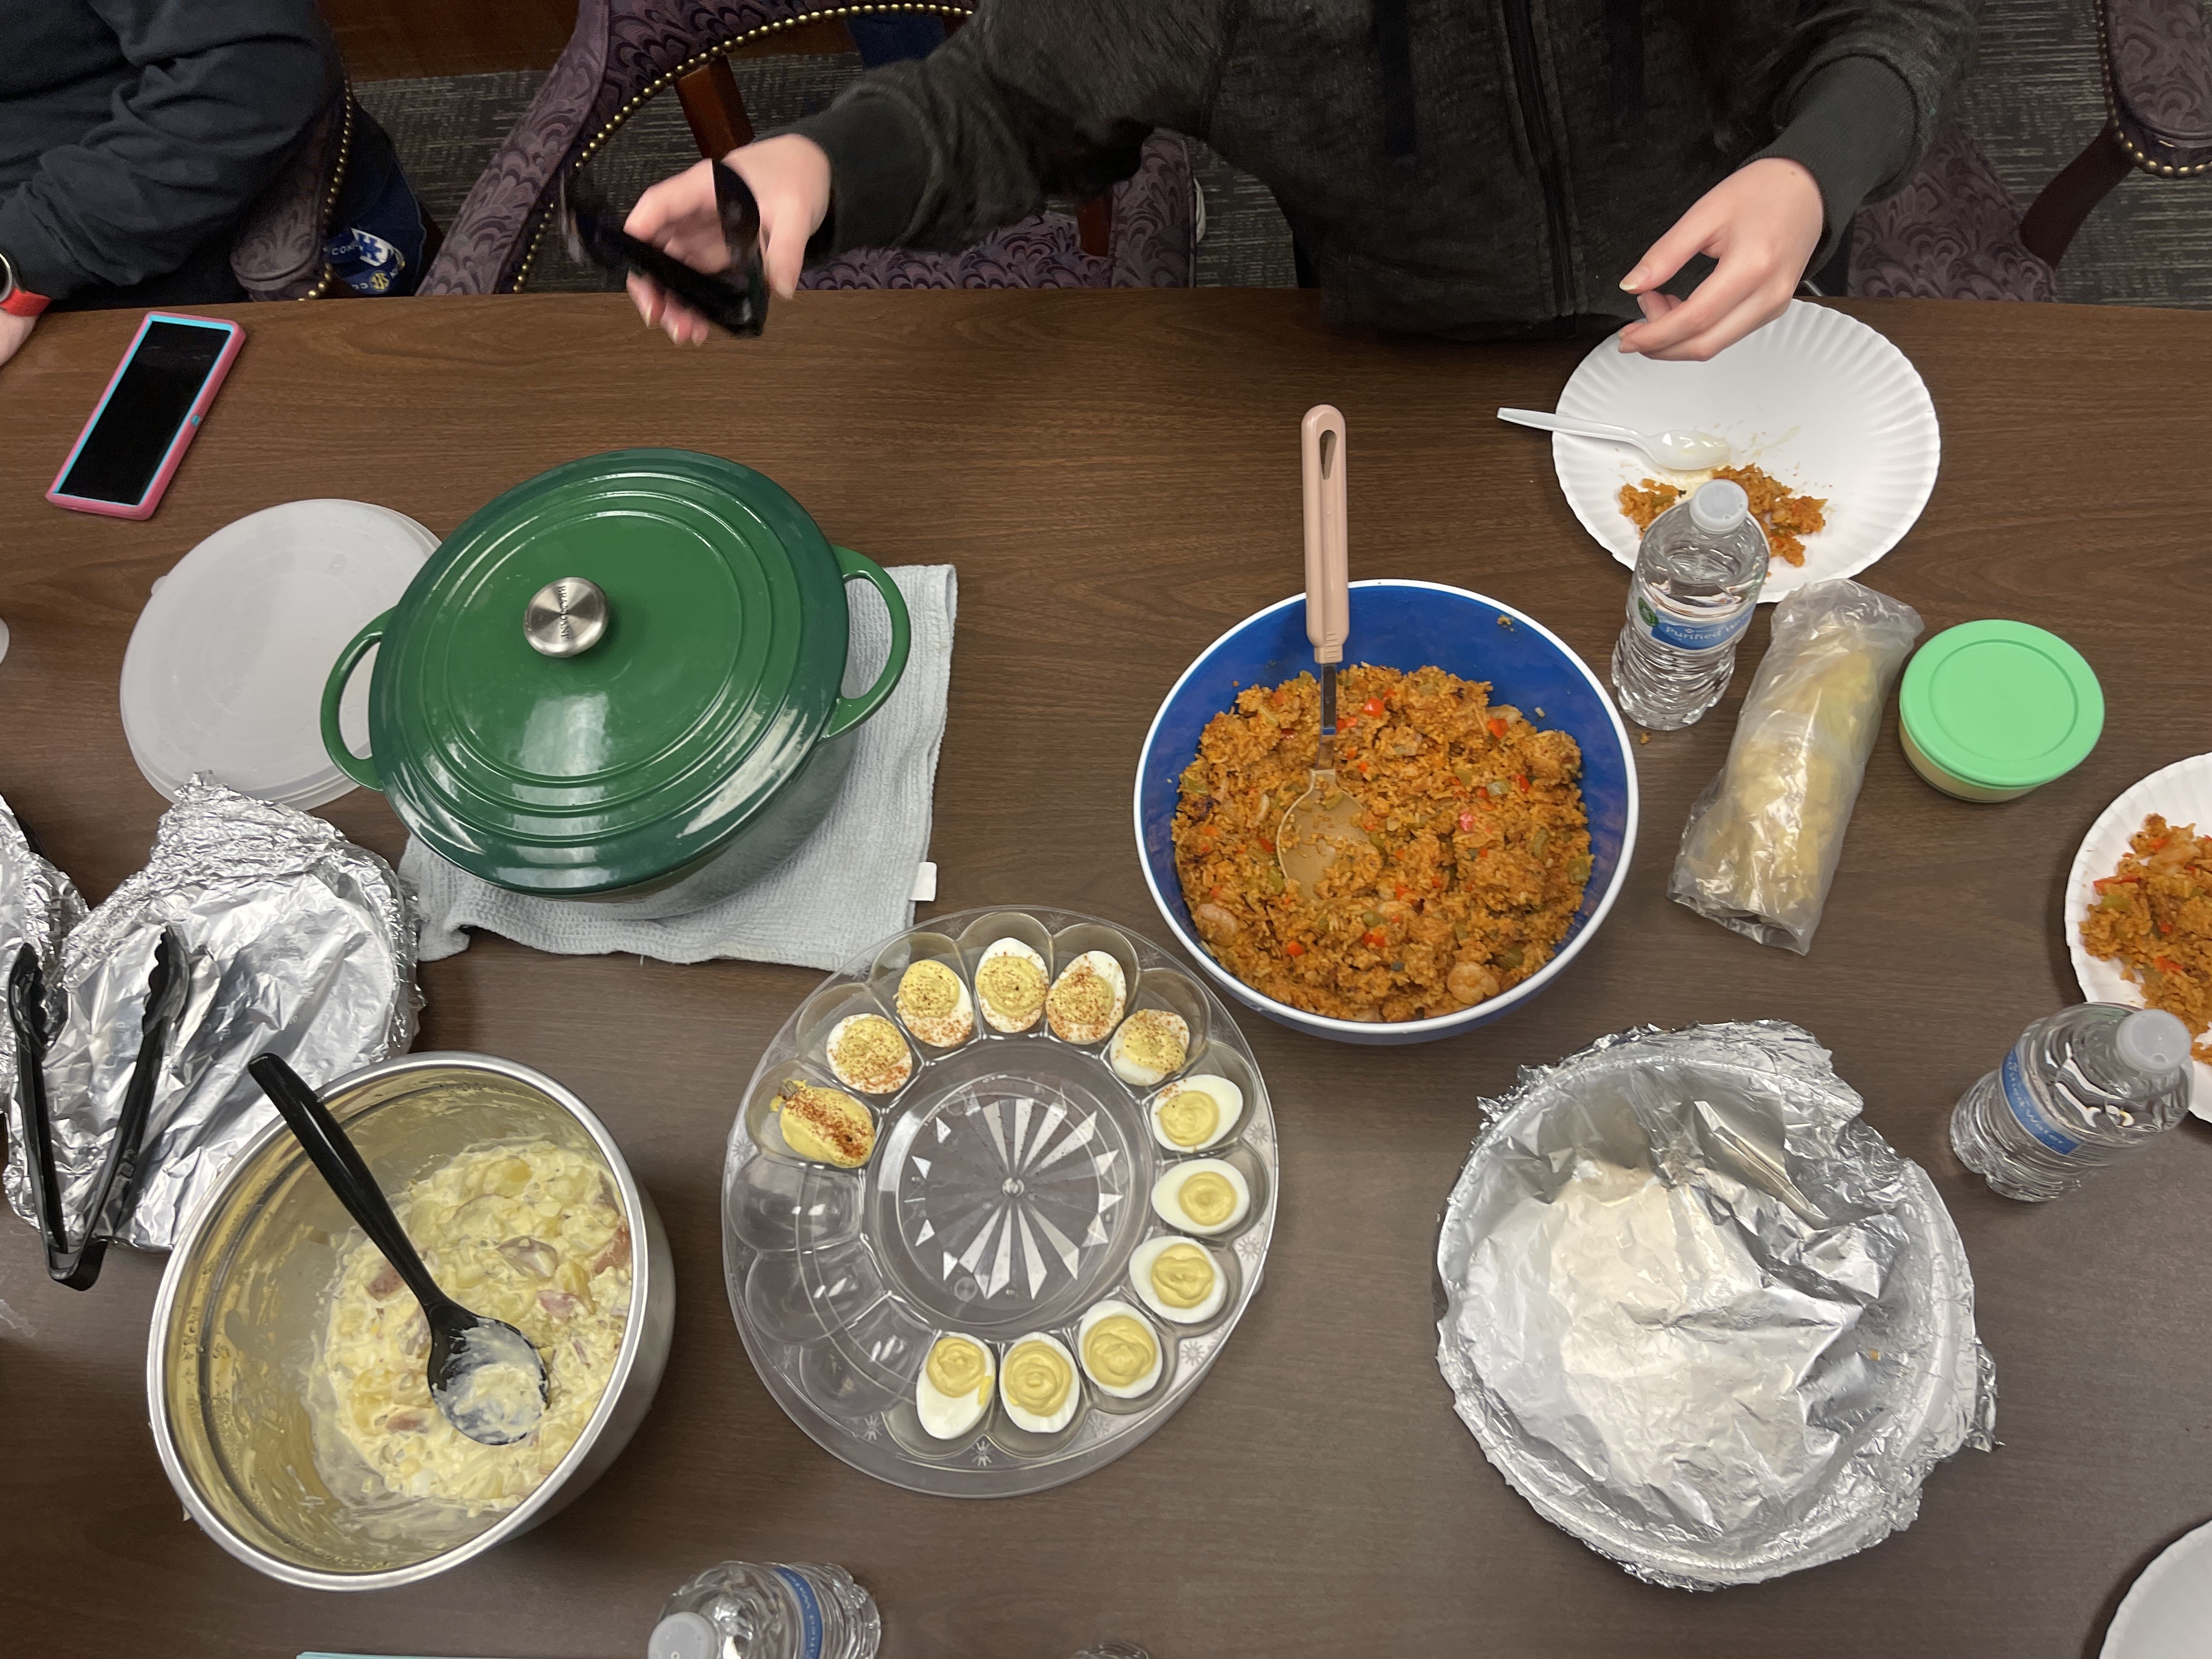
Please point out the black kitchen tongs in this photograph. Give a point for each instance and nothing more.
(737, 302)
(166, 989)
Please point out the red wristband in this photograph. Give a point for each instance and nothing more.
(21, 302)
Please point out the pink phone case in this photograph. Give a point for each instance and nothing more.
(186, 430)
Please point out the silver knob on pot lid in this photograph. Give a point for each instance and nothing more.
(566, 617)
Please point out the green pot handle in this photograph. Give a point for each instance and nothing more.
(362, 769)
(848, 712)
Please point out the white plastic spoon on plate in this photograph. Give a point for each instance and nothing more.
(1677, 451)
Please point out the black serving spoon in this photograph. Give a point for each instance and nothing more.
(485, 1376)
(166, 988)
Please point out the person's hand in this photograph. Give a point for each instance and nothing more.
(790, 179)
(1761, 225)
(14, 330)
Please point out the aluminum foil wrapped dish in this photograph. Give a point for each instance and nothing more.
(1700, 1314)
(298, 943)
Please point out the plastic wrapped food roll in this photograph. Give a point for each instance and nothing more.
(1762, 842)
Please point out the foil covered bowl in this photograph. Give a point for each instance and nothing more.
(237, 1325)
(1700, 1314)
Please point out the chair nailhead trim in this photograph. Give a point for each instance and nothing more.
(699, 61)
(2161, 169)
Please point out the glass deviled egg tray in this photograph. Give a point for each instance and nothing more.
(1021, 1198)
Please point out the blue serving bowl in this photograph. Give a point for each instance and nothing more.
(1404, 625)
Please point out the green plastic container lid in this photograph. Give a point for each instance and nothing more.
(2001, 704)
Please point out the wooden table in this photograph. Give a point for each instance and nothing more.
(1116, 477)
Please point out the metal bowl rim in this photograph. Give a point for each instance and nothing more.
(520, 1517)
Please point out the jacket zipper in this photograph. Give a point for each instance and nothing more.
(1535, 120)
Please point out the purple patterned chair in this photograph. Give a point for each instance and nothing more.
(623, 51)
(1954, 231)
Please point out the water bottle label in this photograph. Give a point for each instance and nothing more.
(2030, 1115)
(1684, 636)
(810, 1614)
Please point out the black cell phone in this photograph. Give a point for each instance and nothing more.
(128, 450)
(737, 303)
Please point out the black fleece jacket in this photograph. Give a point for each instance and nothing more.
(1483, 168)
(134, 133)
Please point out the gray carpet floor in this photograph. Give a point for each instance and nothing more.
(2033, 99)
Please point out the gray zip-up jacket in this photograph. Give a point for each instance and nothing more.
(133, 133)
(1482, 168)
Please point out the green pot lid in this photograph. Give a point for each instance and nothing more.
(607, 670)
(2001, 704)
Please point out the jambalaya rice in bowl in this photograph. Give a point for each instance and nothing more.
(1479, 845)
(1406, 625)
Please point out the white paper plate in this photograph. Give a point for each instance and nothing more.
(1817, 398)
(225, 670)
(2181, 793)
(2168, 1613)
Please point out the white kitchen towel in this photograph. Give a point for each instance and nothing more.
(850, 885)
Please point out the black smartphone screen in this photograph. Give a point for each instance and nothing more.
(123, 450)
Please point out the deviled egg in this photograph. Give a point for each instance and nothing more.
(827, 1125)
(1178, 1280)
(1151, 1045)
(1203, 1195)
(1121, 1354)
(954, 1390)
(934, 1003)
(867, 1052)
(1038, 1385)
(1011, 984)
(1197, 1113)
(1085, 1001)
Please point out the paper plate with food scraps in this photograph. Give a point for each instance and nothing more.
(2168, 1609)
(2116, 930)
(1832, 420)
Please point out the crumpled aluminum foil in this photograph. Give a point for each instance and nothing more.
(300, 944)
(37, 906)
(1700, 1314)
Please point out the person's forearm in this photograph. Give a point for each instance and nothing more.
(940, 154)
(879, 170)
(1854, 130)
(226, 93)
(1034, 98)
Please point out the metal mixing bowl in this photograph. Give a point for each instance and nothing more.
(240, 1318)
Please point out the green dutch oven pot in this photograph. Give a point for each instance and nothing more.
(620, 680)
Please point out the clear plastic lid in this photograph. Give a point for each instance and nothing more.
(225, 670)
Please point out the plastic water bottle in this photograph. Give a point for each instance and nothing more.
(1698, 575)
(771, 1610)
(1113, 1650)
(2078, 1089)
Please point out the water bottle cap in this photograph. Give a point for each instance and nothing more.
(681, 1635)
(1718, 506)
(2152, 1040)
